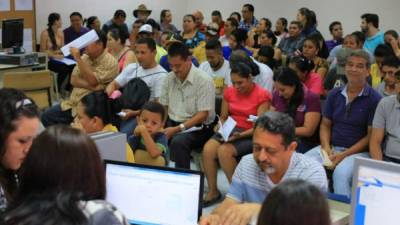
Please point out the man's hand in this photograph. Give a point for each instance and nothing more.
(336, 158)
(75, 52)
(211, 219)
(236, 135)
(240, 214)
(170, 131)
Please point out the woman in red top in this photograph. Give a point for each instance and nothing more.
(241, 100)
(304, 70)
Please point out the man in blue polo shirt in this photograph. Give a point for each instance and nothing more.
(346, 123)
(273, 161)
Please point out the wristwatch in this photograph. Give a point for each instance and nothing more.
(182, 127)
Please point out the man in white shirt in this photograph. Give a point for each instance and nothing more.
(216, 66)
(148, 70)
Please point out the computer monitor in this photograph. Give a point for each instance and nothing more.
(376, 193)
(12, 34)
(155, 195)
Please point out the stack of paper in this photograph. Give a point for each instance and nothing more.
(226, 129)
(326, 161)
(80, 42)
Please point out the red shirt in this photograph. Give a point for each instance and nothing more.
(241, 106)
(314, 83)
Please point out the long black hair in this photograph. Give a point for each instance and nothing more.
(100, 105)
(53, 17)
(288, 77)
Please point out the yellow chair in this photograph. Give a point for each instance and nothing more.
(35, 84)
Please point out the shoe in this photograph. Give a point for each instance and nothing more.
(207, 203)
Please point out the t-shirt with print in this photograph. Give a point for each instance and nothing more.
(220, 76)
(240, 106)
(251, 184)
(153, 77)
(160, 139)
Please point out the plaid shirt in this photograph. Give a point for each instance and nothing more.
(248, 26)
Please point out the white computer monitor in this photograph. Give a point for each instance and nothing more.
(155, 195)
(376, 193)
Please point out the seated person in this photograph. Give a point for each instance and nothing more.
(381, 51)
(253, 39)
(93, 71)
(95, 113)
(293, 98)
(188, 93)
(273, 161)
(304, 70)
(211, 33)
(76, 29)
(266, 56)
(264, 75)
(241, 100)
(385, 143)
(312, 51)
(288, 45)
(92, 23)
(216, 66)
(148, 70)
(149, 144)
(346, 123)
(336, 76)
(267, 39)
(392, 40)
(310, 203)
(150, 30)
(64, 175)
(336, 30)
(389, 67)
(116, 47)
(19, 125)
(237, 41)
(133, 36)
(118, 21)
(230, 25)
(191, 35)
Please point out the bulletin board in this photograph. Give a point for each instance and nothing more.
(26, 9)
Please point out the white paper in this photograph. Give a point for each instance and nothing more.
(66, 61)
(21, 5)
(192, 129)
(28, 40)
(226, 129)
(5, 5)
(80, 42)
(252, 118)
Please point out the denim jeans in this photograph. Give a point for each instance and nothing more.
(343, 173)
(128, 126)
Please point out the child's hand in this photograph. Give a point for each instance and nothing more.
(139, 130)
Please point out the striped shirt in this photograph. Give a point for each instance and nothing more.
(100, 212)
(195, 94)
(251, 184)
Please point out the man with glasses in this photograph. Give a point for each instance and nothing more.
(273, 161)
(385, 135)
(346, 123)
(389, 67)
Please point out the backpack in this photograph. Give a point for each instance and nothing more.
(135, 94)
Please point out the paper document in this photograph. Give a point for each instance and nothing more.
(226, 129)
(66, 61)
(325, 159)
(192, 129)
(80, 42)
(252, 118)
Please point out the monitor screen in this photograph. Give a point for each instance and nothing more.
(377, 196)
(12, 33)
(155, 195)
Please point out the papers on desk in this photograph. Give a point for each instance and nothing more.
(66, 61)
(226, 129)
(80, 42)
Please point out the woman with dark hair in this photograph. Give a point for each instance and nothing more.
(308, 19)
(237, 40)
(93, 23)
(166, 21)
(116, 39)
(242, 99)
(236, 16)
(64, 176)
(295, 202)
(191, 36)
(392, 40)
(264, 24)
(281, 30)
(304, 70)
(311, 50)
(292, 97)
(19, 124)
(266, 55)
(51, 41)
(96, 112)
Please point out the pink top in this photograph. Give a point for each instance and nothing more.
(314, 83)
(241, 106)
(121, 60)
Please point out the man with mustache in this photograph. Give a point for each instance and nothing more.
(273, 161)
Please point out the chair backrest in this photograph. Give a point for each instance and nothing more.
(35, 84)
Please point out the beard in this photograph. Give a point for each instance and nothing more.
(267, 168)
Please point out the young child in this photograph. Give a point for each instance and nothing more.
(149, 143)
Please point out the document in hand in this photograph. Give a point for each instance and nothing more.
(226, 129)
(325, 158)
(80, 42)
(66, 61)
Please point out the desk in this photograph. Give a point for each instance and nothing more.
(340, 212)
(42, 65)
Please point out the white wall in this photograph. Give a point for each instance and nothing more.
(347, 11)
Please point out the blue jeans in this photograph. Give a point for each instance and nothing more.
(343, 173)
(55, 115)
